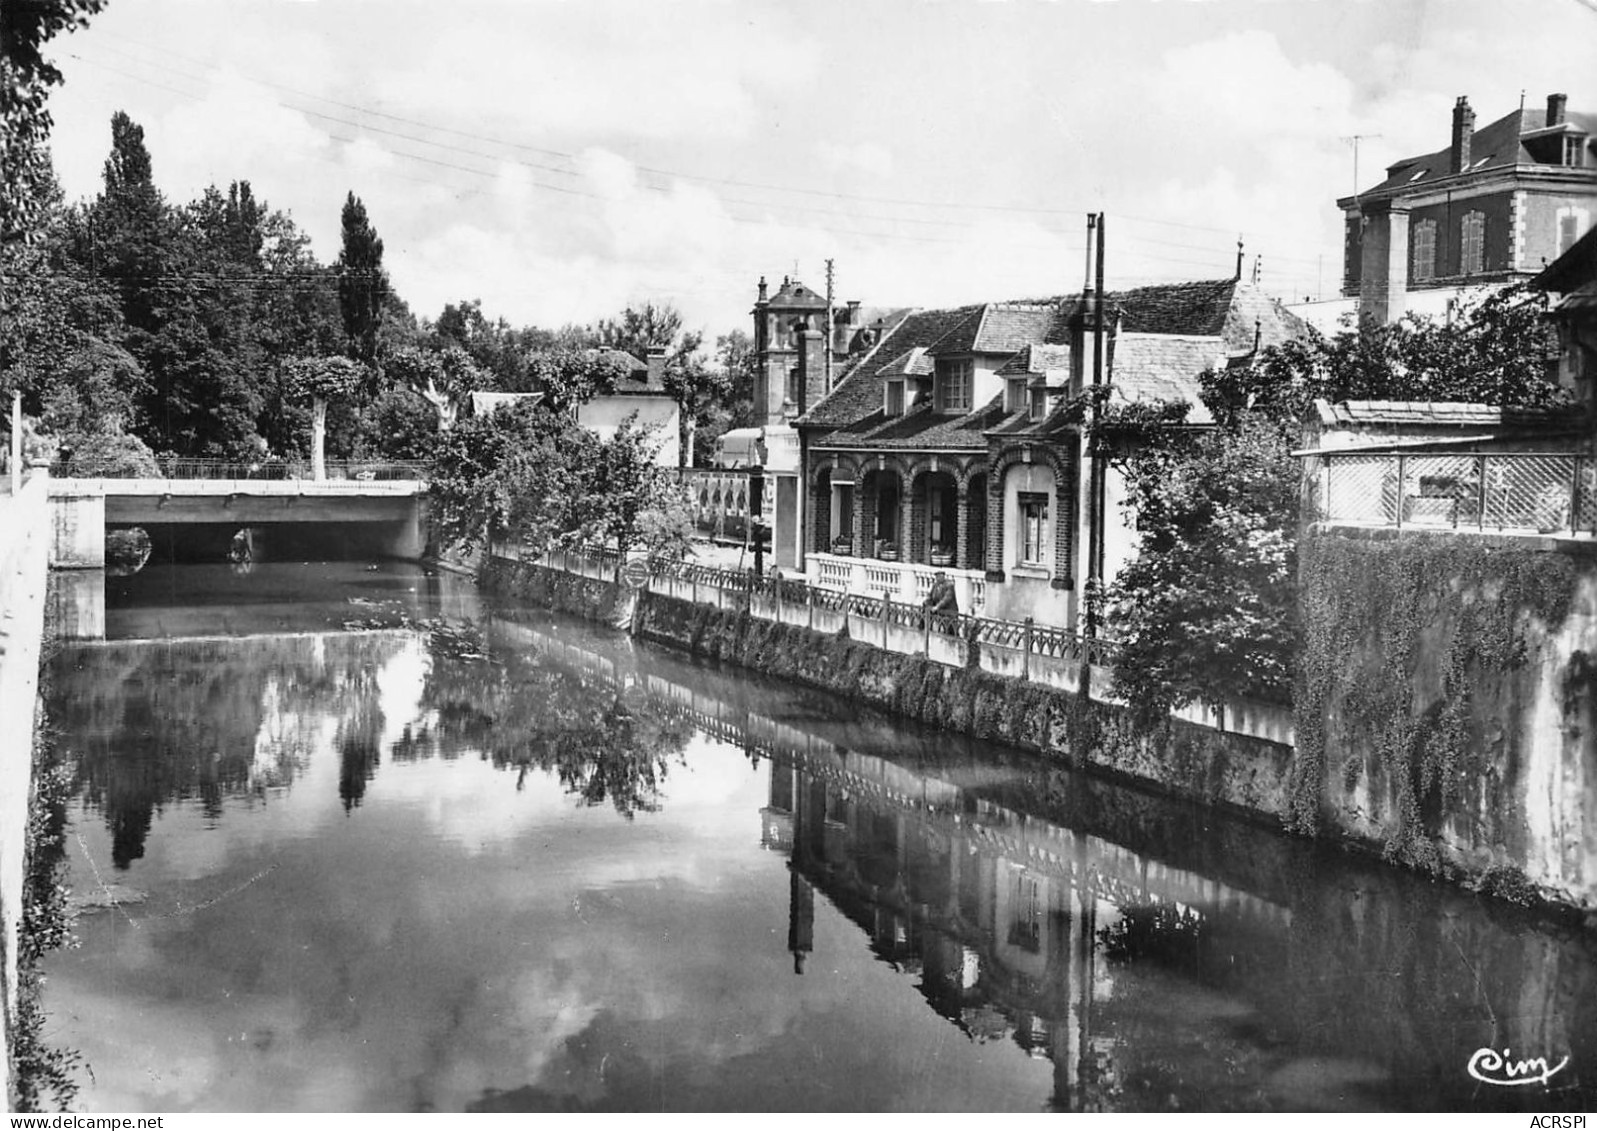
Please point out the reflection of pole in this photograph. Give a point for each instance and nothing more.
(16, 440)
(800, 917)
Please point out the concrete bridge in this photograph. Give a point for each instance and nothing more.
(391, 513)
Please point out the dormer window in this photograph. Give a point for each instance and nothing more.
(893, 401)
(1015, 395)
(1039, 404)
(953, 385)
(1574, 150)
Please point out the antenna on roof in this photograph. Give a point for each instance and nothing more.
(1355, 139)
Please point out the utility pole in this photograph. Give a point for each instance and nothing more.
(828, 325)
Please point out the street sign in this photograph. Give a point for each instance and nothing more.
(635, 573)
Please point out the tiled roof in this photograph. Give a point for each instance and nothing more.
(1439, 414)
(857, 392)
(1037, 358)
(1165, 367)
(1006, 327)
(919, 429)
(1223, 308)
(631, 385)
(793, 293)
(1497, 144)
(911, 363)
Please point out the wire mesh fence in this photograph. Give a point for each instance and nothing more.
(1541, 492)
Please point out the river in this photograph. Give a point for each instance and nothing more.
(346, 837)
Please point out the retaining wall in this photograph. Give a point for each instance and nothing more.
(24, 572)
(1243, 774)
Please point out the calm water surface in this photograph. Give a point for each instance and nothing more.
(353, 839)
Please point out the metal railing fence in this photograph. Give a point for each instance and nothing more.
(1025, 636)
(1541, 492)
(184, 467)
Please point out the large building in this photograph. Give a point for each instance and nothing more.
(949, 444)
(1495, 206)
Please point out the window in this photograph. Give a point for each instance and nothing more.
(953, 386)
(791, 390)
(1571, 222)
(1039, 404)
(1033, 528)
(1422, 255)
(1573, 155)
(894, 405)
(1015, 400)
(1472, 243)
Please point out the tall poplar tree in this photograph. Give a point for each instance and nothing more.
(362, 284)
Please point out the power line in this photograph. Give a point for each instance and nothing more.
(677, 174)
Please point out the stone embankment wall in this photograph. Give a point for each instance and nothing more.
(1243, 774)
(24, 558)
(1448, 706)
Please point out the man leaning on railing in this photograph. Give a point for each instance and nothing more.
(942, 604)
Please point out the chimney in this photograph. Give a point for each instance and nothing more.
(762, 297)
(811, 369)
(852, 313)
(1555, 109)
(656, 362)
(1463, 133)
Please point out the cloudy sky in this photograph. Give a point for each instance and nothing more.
(561, 160)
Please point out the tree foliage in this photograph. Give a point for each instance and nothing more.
(1495, 351)
(26, 79)
(1206, 611)
(362, 283)
(534, 477)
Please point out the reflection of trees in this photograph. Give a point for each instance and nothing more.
(519, 710)
(206, 720)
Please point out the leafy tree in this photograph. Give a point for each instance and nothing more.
(397, 424)
(26, 79)
(362, 283)
(518, 473)
(571, 377)
(1207, 609)
(534, 477)
(632, 500)
(319, 379)
(442, 377)
(1494, 351)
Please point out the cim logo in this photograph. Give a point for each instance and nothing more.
(1492, 1067)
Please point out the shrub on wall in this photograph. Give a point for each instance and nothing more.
(1400, 636)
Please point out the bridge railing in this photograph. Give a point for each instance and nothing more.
(184, 467)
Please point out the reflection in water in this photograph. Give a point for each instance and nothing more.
(383, 869)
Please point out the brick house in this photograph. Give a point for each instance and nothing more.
(1495, 206)
(948, 445)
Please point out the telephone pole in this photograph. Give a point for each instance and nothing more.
(828, 325)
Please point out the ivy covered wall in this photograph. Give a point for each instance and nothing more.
(1445, 705)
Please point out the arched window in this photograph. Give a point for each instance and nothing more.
(1472, 243)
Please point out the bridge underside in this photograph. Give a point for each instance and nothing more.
(379, 519)
(246, 510)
